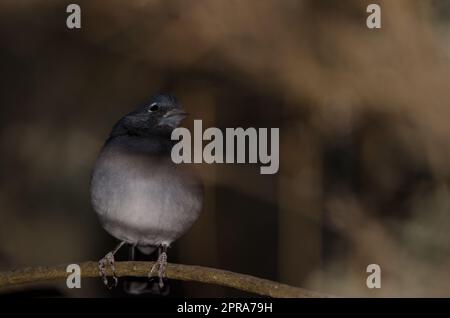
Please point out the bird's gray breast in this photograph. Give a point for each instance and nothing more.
(141, 196)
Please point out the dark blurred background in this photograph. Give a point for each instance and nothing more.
(363, 117)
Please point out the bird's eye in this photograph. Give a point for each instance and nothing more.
(153, 107)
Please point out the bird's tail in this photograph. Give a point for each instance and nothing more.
(147, 250)
(142, 285)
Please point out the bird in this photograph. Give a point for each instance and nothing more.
(141, 197)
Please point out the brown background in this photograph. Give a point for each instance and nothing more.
(363, 117)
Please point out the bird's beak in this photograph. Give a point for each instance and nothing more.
(178, 113)
(173, 118)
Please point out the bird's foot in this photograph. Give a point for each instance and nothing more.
(108, 260)
(160, 267)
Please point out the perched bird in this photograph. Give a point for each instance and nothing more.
(141, 197)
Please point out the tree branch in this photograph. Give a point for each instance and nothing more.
(174, 271)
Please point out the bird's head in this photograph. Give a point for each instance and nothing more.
(159, 116)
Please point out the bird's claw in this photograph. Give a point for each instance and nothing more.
(102, 264)
(159, 266)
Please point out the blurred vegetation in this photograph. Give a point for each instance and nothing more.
(363, 117)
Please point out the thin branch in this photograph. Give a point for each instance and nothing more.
(174, 271)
